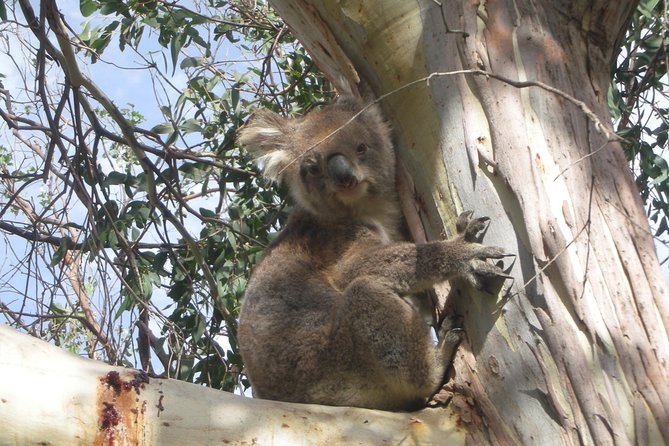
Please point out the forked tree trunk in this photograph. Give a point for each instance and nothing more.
(577, 352)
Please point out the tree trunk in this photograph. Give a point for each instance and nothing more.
(576, 351)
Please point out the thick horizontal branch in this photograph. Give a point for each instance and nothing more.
(48, 395)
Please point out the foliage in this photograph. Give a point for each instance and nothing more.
(139, 231)
(639, 102)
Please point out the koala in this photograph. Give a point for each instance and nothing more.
(324, 318)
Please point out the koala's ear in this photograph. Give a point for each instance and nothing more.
(267, 136)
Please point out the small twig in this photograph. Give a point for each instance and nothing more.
(464, 34)
(584, 157)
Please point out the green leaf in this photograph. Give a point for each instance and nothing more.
(191, 126)
(125, 305)
(111, 7)
(661, 169)
(234, 100)
(646, 7)
(139, 211)
(190, 62)
(175, 46)
(163, 128)
(73, 225)
(59, 255)
(199, 328)
(86, 32)
(57, 309)
(159, 260)
(207, 213)
(653, 43)
(115, 178)
(3, 10)
(88, 7)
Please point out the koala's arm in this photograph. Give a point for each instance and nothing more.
(408, 268)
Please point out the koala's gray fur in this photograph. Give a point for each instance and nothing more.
(323, 319)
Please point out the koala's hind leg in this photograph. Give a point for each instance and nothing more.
(390, 339)
(449, 337)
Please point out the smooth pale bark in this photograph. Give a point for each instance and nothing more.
(577, 352)
(51, 397)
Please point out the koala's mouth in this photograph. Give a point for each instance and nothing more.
(351, 191)
(348, 186)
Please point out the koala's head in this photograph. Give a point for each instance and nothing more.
(333, 168)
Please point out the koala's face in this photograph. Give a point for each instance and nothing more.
(333, 167)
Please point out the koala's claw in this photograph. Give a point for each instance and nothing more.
(469, 227)
(482, 273)
(463, 220)
(491, 252)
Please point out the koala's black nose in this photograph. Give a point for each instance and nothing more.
(341, 171)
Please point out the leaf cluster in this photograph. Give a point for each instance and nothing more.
(639, 103)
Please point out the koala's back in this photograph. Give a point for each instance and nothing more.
(304, 339)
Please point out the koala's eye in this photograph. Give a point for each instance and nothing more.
(361, 149)
(313, 169)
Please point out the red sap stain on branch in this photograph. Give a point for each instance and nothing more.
(109, 417)
(120, 410)
(113, 380)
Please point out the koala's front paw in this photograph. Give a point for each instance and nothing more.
(476, 269)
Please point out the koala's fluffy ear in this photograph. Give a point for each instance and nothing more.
(267, 136)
